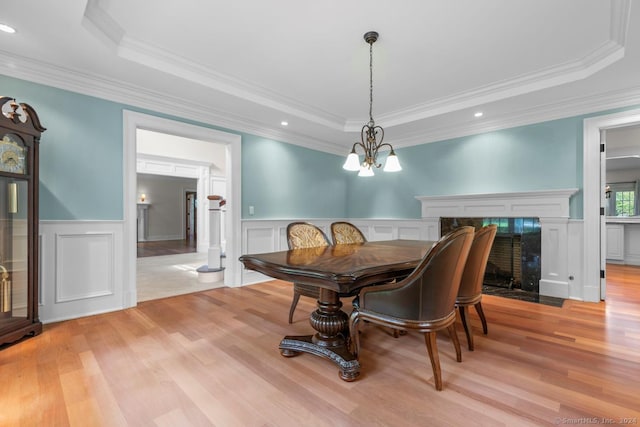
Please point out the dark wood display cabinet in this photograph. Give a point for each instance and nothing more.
(20, 131)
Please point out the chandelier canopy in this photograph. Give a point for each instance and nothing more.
(370, 132)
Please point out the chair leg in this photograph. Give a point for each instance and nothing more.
(354, 335)
(296, 297)
(454, 338)
(432, 349)
(482, 318)
(464, 311)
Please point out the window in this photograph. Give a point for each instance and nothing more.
(622, 201)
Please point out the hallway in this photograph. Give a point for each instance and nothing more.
(168, 268)
(165, 247)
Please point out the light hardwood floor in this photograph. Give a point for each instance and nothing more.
(211, 358)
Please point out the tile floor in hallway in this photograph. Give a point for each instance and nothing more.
(169, 275)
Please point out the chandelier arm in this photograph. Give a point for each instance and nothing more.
(375, 132)
(353, 148)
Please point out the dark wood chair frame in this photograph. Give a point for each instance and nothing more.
(470, 293)
(459, 242)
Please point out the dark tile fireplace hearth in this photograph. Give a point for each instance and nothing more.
(513, 269)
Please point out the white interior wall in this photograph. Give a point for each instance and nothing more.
(177, 147)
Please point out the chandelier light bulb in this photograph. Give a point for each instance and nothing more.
(365, 170)
(353, 162)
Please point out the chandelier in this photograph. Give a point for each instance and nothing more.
(369, 134)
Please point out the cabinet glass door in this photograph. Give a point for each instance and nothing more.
(14, 255)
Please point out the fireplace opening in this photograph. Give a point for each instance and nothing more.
(514, 261)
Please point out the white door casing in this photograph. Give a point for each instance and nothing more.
(133, 121)
(592, 190)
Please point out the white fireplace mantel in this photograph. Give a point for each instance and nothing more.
(546, 203)
(550, 206)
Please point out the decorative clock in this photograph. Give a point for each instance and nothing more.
(12, 155)
(20, 131)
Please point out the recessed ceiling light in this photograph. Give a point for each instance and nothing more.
(7, 29)
(478, 114)
(284, 123)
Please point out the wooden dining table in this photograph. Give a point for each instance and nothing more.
(337, 270)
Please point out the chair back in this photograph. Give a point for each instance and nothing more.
(305, 235)
(429, 292)
(473, 274)
(345, 232)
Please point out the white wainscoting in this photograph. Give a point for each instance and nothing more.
(83, 263)
(81, 268)
(261, 236)
(632, 244)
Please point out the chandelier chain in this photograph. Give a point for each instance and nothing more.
(371, 81)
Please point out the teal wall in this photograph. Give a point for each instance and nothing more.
(80, 152)
(81, 173)
(81, 169)
(285, 181)
(542, 156)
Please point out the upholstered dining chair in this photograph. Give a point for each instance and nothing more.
(344, 232)
(470, 293)
(304, 235)
(424, 301)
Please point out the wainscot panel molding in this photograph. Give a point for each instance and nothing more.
(562, 244)
(632, 244)
(623, 240)
(261, 236)
(81, 269)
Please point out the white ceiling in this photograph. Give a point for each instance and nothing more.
(248, 64)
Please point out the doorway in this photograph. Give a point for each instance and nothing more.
(594, 199)
(132, 121)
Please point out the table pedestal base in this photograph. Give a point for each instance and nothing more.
(332, 325)
(349, 366)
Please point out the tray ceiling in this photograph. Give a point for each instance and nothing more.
(248, 65)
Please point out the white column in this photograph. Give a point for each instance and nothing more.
(213, 270)
(215, 250)
(143, 223)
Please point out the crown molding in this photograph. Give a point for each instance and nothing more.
(561, 110)
(603, 56)
(153, 57)
(161, 60)
(108, 30)
(551, 77)
(116, 91)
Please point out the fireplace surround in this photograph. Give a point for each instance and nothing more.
(514, 260)
(551, 207)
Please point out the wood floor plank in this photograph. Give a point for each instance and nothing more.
(211, 358)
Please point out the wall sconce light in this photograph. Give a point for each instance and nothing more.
(143, 197)
(607, 191)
